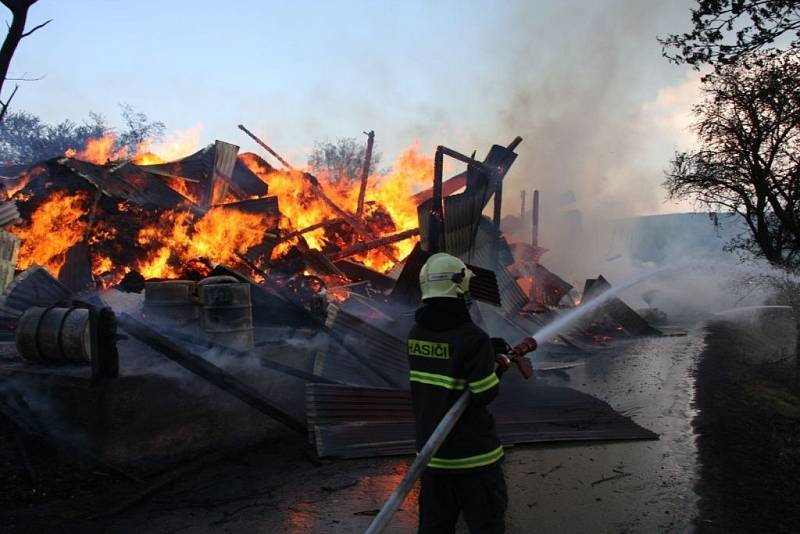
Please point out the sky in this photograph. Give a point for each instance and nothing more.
(582, 81)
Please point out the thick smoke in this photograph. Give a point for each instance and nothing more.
(585, 86)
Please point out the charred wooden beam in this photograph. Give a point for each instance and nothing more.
(449, 186)
(365, 173)
(535, 219)
(515, 143)
(349, 219)
(208, 371)
(266, 147)
(369, 245)
(462, 158)
(311, 228)
(436, 224)
(496, 220)
(312, 180)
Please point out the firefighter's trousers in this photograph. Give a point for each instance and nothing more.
(481, 496)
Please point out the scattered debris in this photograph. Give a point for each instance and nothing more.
(607, 479)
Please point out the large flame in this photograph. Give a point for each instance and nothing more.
(219, 236)
(99, 150)
(162, 244)
(54, 227)
(175, 146)
(386, 195)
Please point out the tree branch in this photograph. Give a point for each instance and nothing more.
(38, 27)
(4, 105)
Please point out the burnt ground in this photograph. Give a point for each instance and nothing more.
(39, 481)
(748, 432)
(748, 450)
(639, 486)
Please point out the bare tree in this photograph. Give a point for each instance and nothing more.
(16, 32)
(748, 163)
(724, 31)
(341, 159)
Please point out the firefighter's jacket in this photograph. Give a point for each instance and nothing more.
(448, 354)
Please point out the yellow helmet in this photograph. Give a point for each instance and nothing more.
(445, 276)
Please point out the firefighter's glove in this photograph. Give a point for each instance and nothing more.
(503, 363)
(501, 346)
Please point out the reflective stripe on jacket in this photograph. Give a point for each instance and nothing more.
(443, 364)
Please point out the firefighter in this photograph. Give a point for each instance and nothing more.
(447, 354)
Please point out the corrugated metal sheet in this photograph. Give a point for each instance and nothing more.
(462, 217)
(34, 287)
(9, 251)
(486, 238)
(353, 422)
(127, 182)
(548, 288)
(633, 323)
(198, 166)
(483, 286)
(9, 214)
(462, 212)
(346, 404)
(220, 180)
(195, 167)
(338, 363)
(386, 353)
(512, 297)
(449, 186)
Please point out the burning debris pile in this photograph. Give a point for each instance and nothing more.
(97, 218)
(222, 251)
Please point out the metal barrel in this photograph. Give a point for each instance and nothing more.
(171, 302)
(55, 335)
(227, 312)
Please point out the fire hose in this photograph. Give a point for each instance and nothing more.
(514, 356)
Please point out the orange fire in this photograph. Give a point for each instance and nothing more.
(99, 150)
(302, 208)
(164, 248)
(54, 227)
(218, 236)
(24, 179)
(175, 146)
